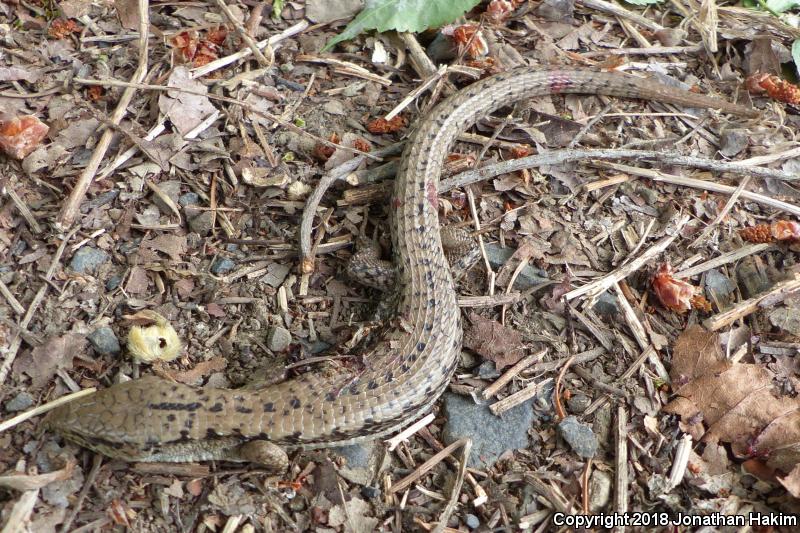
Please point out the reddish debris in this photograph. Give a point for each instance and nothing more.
(469, 36)
(500, 10)
(61, 28)
(20, 136)
(200, 51)
(362, 144)
(379, 126)
(323, 151)
(782, 230)
(674, 294)
(774, 87)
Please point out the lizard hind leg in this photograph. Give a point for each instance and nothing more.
(264, 453)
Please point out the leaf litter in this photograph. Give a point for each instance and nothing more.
(193, 214)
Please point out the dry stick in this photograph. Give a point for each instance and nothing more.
(225, 61)
(778, 293)
(69, 211)
(619, 11)
(509, 402)
(462, 471)
(560, 413)
(416, 92)
(248, 40)
(724, 259)
(722, 214)
(426, 467)
(41, 409)
(702, 184)
(490, 301)
(509, 374)
(567, 156)
(655, 50)
(600, 285)
(621, 471)
(11, 299)
(37, 299)
(87, 484)
(420, 61)
(20, 513)
(23, 209)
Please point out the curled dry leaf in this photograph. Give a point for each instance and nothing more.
(494, 341)
(674, 294)
(733, 403)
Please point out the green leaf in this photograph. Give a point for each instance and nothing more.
(403, 15)
(277, 8)
(796, 55)
(781, 6)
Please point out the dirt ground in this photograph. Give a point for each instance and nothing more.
(631, 331)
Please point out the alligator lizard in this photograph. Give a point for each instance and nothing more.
(152, 419)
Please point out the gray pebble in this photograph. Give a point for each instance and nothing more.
(278, 338)
(189, 198)
(87, 260)
(491, 435)
(578, 403)
(580, 437)
(104, 341)
(472, 521)
(20, 402)
(113, 282)
(370, 492)
(201, 224)
(222, 265)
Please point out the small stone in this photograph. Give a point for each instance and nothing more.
(556, 10)
(222, 265)
(580, 437)
(104, 341)
(278, 338)
(472, 521)
(578, 403)
(491, 435)
(488, 370)
(370, 492)
(733, 141)
(20, 402)
(201, 224)
(189, 198)
(528, 276)
(599, 490)
(87, 260)
(113, 282)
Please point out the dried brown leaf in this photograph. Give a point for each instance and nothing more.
(494, 341)
(738, 403)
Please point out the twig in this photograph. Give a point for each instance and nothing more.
(704, 185)
(567, 156)
(69, 211)
(703, 237)
(621, 470)
(410, 430)
(88, 483)
(490, 301)
(12, 301)
(345, 67)
(41, 409)
(509, 402)
(427, 466)
(619, 11)
(240, 29)
(778, 293)
(241, 54)
(410, 97)
(512, 372)
(23, 209)
(728, 257)
(456, 490)
(599, 286)
(560, 413)
(37, 299)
